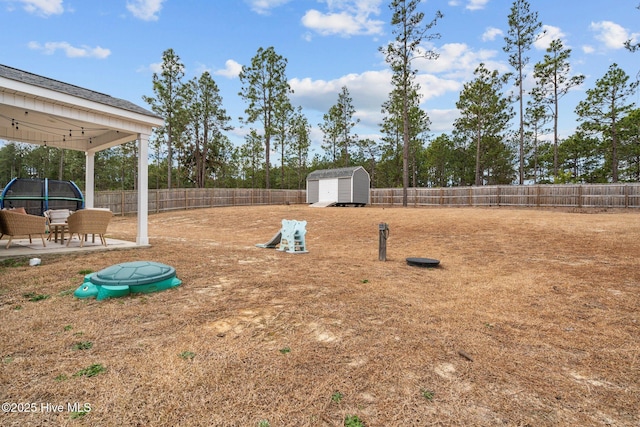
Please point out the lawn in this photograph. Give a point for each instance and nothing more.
(532, 318)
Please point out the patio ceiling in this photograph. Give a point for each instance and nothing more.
(43, 111)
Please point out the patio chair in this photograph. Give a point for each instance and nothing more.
(89, 221)
(57, 220)
(21, 224)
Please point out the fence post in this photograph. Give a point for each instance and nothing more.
(580, 196)
(626, 196)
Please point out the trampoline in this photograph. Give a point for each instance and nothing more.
(41, 194)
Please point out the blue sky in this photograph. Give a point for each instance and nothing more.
(115, 46)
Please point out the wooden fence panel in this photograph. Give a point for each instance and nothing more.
(126, 202)
(559, 195)
(564, 196)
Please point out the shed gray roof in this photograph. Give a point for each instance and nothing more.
(66, 88)
(333, 173)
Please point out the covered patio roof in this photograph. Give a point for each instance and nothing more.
(43, 111)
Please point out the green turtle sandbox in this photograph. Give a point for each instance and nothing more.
(128, 278)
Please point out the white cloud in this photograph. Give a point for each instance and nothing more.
(476, 4)
(147, 10)
(551, 33)
(231, 69)
(440, 83)
(43, 7)
(588, 49)
(610, 34)
(442, 120)
(470, 4)
(155, 67)
(264, 6)
(345, 18)
(457, 61)
(432, 86)
(491, 33)
(49, 48)
(368, 90)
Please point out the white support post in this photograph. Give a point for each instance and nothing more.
(143, 190)
(89, 178)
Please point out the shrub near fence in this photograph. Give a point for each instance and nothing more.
(558, 196)
(544, 196)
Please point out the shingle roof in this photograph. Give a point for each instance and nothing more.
(333, 173)
(69, 89)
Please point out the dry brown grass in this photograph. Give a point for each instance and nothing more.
(545, 303)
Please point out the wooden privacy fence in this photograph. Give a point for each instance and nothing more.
(544, 196)
(126, 202)
(558, 196)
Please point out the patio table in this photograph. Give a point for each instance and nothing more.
(58, 227)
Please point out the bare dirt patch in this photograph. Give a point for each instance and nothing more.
(531, 319)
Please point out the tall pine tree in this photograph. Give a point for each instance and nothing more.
(169, 102)
(523, 28)
(410, 32)
(484, 117)
(266, 90)
(553, 82)
(606, 104)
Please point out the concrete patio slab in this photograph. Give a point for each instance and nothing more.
(22, 248)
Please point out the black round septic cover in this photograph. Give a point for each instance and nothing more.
(423, 262)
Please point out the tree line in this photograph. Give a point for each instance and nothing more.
(193, 149)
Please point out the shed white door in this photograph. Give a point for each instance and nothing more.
(328, 190)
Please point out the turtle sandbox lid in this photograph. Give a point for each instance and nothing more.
(129, 277)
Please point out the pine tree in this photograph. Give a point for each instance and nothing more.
(207, 120)
(536, 118)
(336, 128)
(523, 28)
(169, 102)
(265, 88)
(410, 32)
(251, 158)
(606, 104)
(300, 143)
(553, 82)
(630, 145)
(392, 128)
(484, 116)
(330, 128)
(441, 157)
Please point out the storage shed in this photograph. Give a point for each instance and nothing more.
(342, 186)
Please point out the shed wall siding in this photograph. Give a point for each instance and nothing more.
(361, 186)
(313, 190)
(344, 190)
